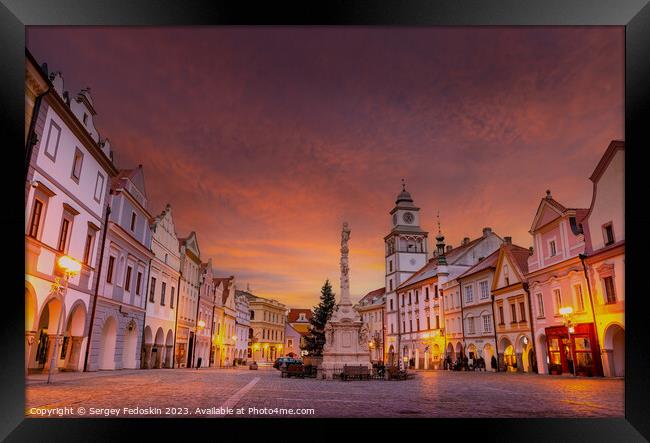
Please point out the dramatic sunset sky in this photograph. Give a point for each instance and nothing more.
(264, 140)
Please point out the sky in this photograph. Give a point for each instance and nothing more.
(265, 140)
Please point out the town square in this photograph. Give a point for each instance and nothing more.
(215, 233)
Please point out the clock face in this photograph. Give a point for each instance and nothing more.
(408, 217)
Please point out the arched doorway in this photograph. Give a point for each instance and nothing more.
(435, 352)
(524, 348)
(459, 350)
(509, 356)
(48, 322)
(450, 352)
(129, 350)
(158, 348)
(391, 355)
(471, 352)
(169, 345)
(107, 344)
(74, 336)
(615, 350)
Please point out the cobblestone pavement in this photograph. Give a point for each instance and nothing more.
(259, 393)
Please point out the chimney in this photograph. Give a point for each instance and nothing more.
(487, 231)
(508, 240)
(449, 248)
(465, 241)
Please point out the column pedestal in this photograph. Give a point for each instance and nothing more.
(147, 356)
(74, 353)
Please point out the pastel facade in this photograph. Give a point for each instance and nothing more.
(188, 300)
(162, 302)
(513, 317)
(205, 318)
(372, 309)
(292, 340)
(557, 280)
(116, 339)
(242, 328)
(268, 318)
(430, 305)
(68, 177)
(605, 256)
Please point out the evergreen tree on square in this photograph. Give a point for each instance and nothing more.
(315, 340)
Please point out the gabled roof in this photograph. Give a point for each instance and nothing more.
(431, 268)
(226, 282)
(518, 258)
(556, 206)
(488, 262)
(610, 152)
(372, 295)
(294, 314)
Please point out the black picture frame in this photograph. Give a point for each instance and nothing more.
(633, 14)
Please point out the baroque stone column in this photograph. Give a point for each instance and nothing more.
(30, 341)
(169, 358)
(50, 349)
(608, 363)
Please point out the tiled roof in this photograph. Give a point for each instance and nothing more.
(294, 314)
(519, 256)
(368, 298)
(489, 262)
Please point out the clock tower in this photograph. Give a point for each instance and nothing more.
(406, 244)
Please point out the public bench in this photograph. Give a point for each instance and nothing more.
(293, 371)
(355, 372)
(394, 373)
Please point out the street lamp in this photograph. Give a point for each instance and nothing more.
(70, 267)
(567, 312)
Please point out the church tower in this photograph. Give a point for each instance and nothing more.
(406, 244)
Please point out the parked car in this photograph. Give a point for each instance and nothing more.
(288, 360)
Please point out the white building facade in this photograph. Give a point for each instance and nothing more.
(188, 300)
(242, 328)
(67, 182)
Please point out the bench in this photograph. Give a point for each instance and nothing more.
(355, 372)
(396, 374)
(293, 370)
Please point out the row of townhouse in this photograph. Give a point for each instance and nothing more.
(107, 284)
(556, 307)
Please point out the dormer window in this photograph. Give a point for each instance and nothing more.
(608, 234)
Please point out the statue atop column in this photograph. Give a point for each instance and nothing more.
(345, 268)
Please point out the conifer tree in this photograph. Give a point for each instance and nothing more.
(315, 340)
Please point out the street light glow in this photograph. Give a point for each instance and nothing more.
(201, 324)
(69, 264)
(567, 310)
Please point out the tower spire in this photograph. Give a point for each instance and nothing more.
(440, 244)
(403, 185)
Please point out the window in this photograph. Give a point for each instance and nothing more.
(64, 233)
(410, 325)
(437, 322)
(127, 283)
(469, 295)
(426, 293)
(551, 246)
(289, 342)
(138, 283)
(163, 289)
(252, 315)
(417, 297)
(580, 301)
(522, 312)
(99, 187)
(487, 323)
(435, 291)
(390, 266)
(513, 312)
(483, 287)
(391, 329)
(410, 298)
(557, 297)
(52, 143)
(109, 273)
(391, 304)
(403, 326)
(470, 325)
(171, 300)
(133, 218)
(540, 306)
(608, 233)
(428, 322)
(35, 223)
(90, 242)
(390, 283)
(152, 291)
(610, 294)
(501, 318)
(76, 165)
(417, 323)
(402, 299)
